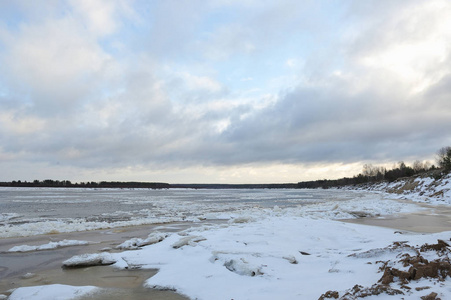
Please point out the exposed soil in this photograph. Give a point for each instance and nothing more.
(417, 267)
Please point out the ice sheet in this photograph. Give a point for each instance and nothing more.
(189, 205)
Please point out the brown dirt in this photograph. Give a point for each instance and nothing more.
(359, 291)
(329, 295)
(431, 296)
(418, 267)
(441, 247)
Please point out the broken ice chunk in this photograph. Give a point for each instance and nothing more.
(88, 260)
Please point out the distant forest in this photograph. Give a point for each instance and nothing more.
(141, 185)
(92, 184)
(369, 174)
(372, 173)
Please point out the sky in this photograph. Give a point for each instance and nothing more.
(221, 91)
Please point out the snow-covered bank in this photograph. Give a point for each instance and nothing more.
(291, 252)
(282, 257)
(422, 188)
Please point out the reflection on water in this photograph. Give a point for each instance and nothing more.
(46, 264)
(134, 294)
(115, 283)
(429, 221)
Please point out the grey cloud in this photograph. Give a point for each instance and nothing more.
(53, 69)
(129, 112)
(318, 125)
(439, 94)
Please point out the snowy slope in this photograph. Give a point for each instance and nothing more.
(420, 188)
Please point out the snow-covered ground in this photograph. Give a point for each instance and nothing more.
(278, 257)
(420, 189)
(299, 252)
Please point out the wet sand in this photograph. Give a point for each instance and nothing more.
(46, 264)
(431, 220)
(114, 283)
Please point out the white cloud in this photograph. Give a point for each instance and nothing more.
(194, 82)
(98, 15)
(228, 40)
(104, 17)
(54, 61)
(239, 91)
(411, 45)
(13, 123)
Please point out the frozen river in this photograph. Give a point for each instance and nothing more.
(232, 233)
(32, 211)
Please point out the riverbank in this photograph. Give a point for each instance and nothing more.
(278, 251)
(433, 219)
(291, 258)
(35, 268)
(423, 188)
(260, 253)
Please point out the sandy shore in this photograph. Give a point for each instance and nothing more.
(432, 219)
(46, 265)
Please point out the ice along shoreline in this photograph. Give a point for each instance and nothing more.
(247, 243)
(34, 268)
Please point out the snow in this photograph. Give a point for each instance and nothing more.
(292, 252)
(370, 205)
(49, 246)
(246, 207)
(420, 189)
(85, 260)
(278, 257)
(53, 291)
(62, 226)
(136, 243)
(7, 216)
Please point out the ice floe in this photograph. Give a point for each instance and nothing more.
(88, 260)
(49, 246)
(52, 291)
(136, 243)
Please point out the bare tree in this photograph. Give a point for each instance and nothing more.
(444, 158)
(367, 170)
(373, 171)
(418, 166)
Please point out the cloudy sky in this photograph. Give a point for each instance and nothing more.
(226, 91)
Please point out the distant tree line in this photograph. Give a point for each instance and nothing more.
(369, 173)
(237, 186)
(92, 184)
(147, 185)
(372, 173)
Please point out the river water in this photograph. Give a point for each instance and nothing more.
(108, 217)
(32, 211)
